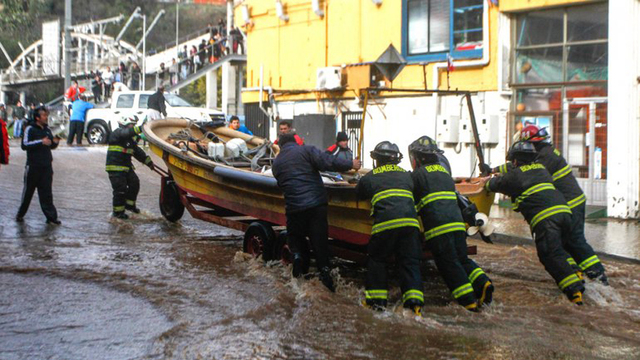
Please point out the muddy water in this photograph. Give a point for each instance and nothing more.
(144, 288)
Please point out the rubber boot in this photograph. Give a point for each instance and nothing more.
(598, 276)
(574, 293)
(487, 294)
(469, 302)
(133, 209)
(414, 305)
(298, 265)
(375, 304)
(120, 215)
(326, 279)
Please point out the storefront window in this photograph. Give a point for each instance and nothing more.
(544, 56)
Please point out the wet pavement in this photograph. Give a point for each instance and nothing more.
(148, 289)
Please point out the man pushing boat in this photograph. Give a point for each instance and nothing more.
(297, 170)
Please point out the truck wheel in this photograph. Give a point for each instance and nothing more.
(170, 205)
(258, 240)
(97, 133)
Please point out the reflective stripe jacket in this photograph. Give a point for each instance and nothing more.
(532, 192)
(390, 189)
(436, 200)
(560, 171)
(123, 145)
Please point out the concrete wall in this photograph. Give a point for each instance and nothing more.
(623, 184)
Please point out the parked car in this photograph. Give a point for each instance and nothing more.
(102, 120)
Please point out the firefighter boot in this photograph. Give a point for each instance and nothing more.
(574, 293)
(326, 279)
(487, 294)
(375, 304)
(469, 302)
(133, 209)
(598, 275)
(120, 215)
(414, 305)
(297, 265)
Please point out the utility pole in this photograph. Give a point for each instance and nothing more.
(177, 26)
(67, 44)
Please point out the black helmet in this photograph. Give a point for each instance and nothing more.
(424, 150)
(523, 152)
(386, 152)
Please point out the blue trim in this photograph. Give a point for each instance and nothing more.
(438, 56)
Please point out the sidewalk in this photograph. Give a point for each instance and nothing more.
(619, 238)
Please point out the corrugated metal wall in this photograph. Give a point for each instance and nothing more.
(256, 120)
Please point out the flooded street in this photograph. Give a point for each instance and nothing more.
(145, 288)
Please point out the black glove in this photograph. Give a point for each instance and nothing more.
(485, 169)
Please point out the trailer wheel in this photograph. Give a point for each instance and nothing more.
(259, 239)
(281, 250)
(170, 205)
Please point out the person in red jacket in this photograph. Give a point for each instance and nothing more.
(285, 127)
(4, 143)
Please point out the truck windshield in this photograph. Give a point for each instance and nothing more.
(176, 101)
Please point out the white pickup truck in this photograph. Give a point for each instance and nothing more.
(100, 121)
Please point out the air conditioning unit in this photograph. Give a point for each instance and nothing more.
(329, 78)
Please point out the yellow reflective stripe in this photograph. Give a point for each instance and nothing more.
(561, 173)
(117, 148)
(147, 161)
(549, 212)
(443, 229)
(577, 201)
(131, 202)
(137, 129)
(393, 224)
(532, 190)
(413, 294)
(440, 195)
(572, 262)
(462, 290)
(118, 208)
(589, 262)
(391, 192)
(475, 274)
(503, 169)
(568, 281)
(486, 185)
(376, 294)
(116, 168)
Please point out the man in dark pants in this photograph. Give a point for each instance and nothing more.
(582, 257)
(530, 187)
(124, 181)
(395, 231)
(38, 142)
(437, 204)
(297, 170)
(78, 116)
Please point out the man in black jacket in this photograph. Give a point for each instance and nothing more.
(38, 142)
(125, 183)
(532, 193)
(156, 105)
(395, 231)
(445, 230)
(297, 170)
(582, 257)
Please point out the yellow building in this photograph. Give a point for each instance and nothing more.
(526, 61)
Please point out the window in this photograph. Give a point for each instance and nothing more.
(125, 101)
(144, 100)
(562, 45)
(434, 28)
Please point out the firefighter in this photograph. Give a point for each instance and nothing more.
(437, 204)
(533, 194)
(395, 231)
(123, 143)
(582, 257)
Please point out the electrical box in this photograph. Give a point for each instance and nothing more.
(329, 78)
(466, 131)
(448, 129)
(488, 128)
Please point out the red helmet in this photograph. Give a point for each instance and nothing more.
(534, 134)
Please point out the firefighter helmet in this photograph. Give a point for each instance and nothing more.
(534, 134)
(424, 150)
(523, 152)
(386, 152)
(128, 120)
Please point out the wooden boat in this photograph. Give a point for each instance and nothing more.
(238, 197)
